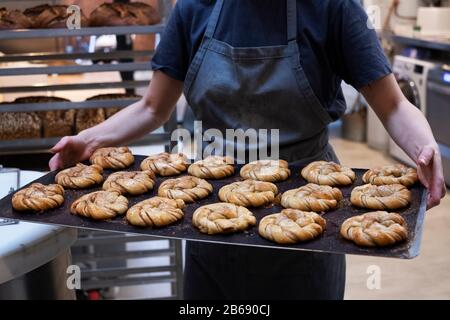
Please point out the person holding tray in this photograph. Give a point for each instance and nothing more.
(272, 65)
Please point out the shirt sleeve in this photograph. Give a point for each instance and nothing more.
(358, 56)
(172, 56)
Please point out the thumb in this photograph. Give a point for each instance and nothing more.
(60, 145)
(55, 162)
(426, 156)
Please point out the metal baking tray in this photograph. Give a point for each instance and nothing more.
(329, 241)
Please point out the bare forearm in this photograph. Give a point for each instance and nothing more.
(144, 116)
(409, 129)
(404, 122)
(125, 126)
(129, 124)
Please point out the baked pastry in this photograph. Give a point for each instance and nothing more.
(393, 174)
(187, 188)
(19, 125)
(112, 158)
(166, 164)
(110, 111)
(328, 173)
(266, 170)
(13, 19)
(88, 118)
(100, 205)
(79, 177)
(130, 182)
(51, 16)
(249, 193)
(55, 123)
(156, 212)
(312, 197)
(124, 14)
(222, 218)
(379, 228)
(291, 226)
(38, 197)
(388, 197)
(212, 167)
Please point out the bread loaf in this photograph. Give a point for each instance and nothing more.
(50, 16)
(113, 96)
(87, 118)
(19, 125)
(58, 123)
(55, 123)
(124, 14)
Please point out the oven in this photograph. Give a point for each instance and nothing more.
(438, 112)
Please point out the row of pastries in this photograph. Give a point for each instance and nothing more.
(302, 218)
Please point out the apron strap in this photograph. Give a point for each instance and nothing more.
(214, 19)
(291, 9)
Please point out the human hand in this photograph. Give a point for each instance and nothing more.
(429, 169)
(69, 151)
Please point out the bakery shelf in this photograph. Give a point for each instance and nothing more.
(442, 45)
(129, 281)
(65, 105)
(115, 272)
(111, 55)
(125, 66)
(102, 256)
(19, 145)
(127, 255)
(109, 239)
(90, 31)
(76, 86)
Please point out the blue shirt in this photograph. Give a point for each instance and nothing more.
(334, 39)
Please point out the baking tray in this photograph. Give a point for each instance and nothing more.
(329, 241)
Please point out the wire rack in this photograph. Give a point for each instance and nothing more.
(104, 260)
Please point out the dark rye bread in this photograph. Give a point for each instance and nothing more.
(87, 118)
(113, 96)
(19, 125)
(55, 123)
(124, 14)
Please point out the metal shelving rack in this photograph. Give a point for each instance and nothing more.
(102, 256)
(7, 222)
(20, 145)
(93, 31)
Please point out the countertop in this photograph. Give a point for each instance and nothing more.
(26, 246)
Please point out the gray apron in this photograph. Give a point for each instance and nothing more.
(263, 88)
